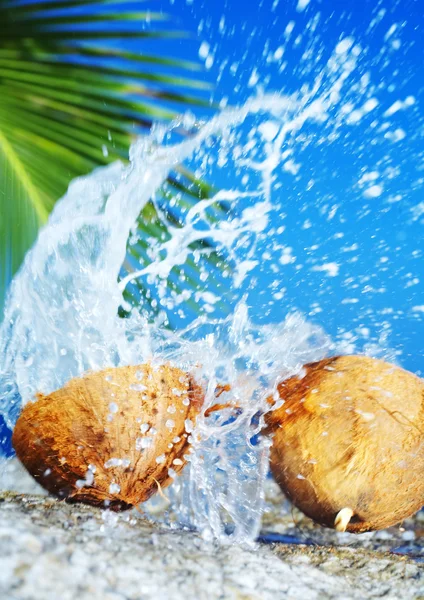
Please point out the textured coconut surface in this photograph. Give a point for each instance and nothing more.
(51, 550)
(110, 436)
(349, 437)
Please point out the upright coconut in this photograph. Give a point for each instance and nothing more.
(348, 442)
(110, 438)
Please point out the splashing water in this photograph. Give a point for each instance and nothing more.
(62, 313)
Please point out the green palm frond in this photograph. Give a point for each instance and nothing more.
(204, 269)
(73, 94)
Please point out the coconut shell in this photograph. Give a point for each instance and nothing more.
(348, 445)
(109, 437)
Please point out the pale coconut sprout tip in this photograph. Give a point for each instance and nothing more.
(342, 519)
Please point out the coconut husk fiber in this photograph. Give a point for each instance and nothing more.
(348, 445)
(108, 438)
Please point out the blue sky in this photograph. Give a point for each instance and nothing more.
(250, 47)
(375, 241)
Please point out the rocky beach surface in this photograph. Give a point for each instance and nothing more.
(51, 550)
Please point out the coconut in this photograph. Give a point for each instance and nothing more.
(111, 437)
(348, 442)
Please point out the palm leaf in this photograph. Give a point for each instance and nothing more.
(71, 99)
(23, 204)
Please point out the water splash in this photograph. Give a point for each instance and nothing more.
(62, 312)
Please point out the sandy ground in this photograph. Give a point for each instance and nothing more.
(50, 550)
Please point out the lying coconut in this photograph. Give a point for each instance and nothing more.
(348, 446)
(109, 438)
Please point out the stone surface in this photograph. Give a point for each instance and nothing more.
(50, 550)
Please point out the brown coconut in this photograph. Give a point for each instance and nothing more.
(110, 437)
(348, 445)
